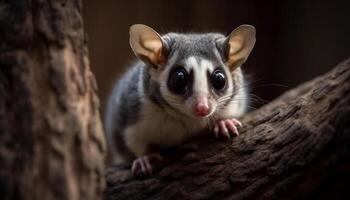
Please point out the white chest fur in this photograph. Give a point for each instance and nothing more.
(157, 127)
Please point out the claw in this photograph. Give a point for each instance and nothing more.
(134, 167)
(232, 127)
(224, 129)
(227, 127)
(142, 165)
(235, 121)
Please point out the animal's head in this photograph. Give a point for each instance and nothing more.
(194, 73)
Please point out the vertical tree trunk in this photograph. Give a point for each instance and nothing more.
(51, 138)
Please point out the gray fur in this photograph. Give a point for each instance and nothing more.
(182, 44)
(124, 105)
(152, 90)
(123, 109)
(209, 46)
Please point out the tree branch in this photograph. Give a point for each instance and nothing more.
(297, 146)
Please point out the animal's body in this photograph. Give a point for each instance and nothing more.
(182, 84)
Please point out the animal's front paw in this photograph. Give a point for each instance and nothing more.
(227, 127)
(143, 165)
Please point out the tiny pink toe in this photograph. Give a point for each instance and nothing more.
(216, 130)
(143, 166)
(235, 121)
(135, 167)
(224, 130)
(147, 165)
(232, 127)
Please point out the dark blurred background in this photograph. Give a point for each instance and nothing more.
(296, 41)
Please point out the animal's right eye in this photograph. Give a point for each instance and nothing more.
(178, 80)
(218, 79)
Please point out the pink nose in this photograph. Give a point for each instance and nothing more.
(201, 109)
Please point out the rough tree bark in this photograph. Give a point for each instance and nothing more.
(296, 147)
(51, 138)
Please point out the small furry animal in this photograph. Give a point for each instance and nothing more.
(181, 85)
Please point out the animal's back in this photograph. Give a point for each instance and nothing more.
(122, 110)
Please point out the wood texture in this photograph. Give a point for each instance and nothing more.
(296, 147)
(51, 138)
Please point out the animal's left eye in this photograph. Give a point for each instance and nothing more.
(218, 79)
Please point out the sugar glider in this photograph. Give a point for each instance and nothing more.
(180, 85)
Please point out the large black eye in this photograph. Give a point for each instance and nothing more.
(178, 80)
(218, 79)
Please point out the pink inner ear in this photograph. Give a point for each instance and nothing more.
(235, 45)
(154, 51)
(152, 45)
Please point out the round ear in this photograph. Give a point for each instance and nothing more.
(147, 44)
(238, 45)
